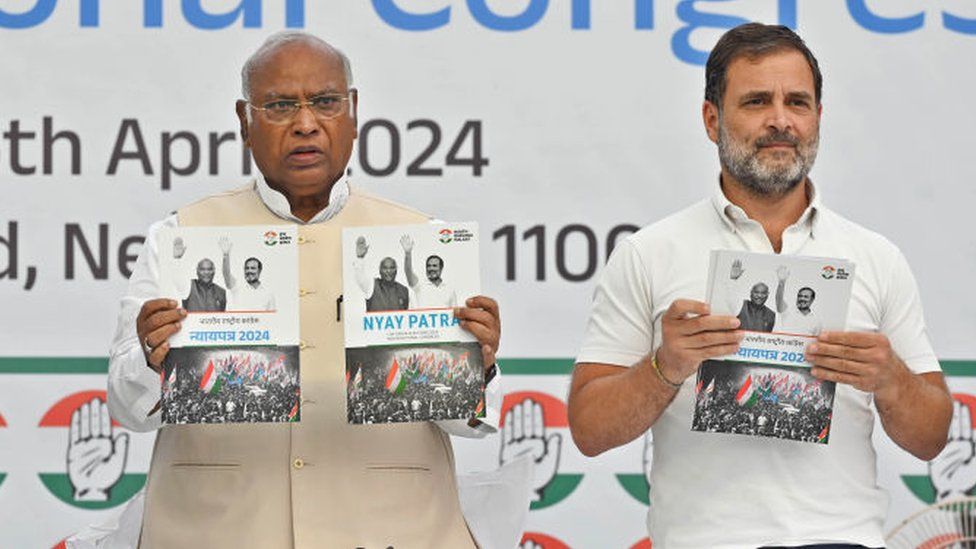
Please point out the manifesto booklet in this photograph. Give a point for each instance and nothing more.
(783, 302)
(407, 357)
(235, 358)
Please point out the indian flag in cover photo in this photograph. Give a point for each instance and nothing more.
(395, 382)
(747, 395)
(210, 382)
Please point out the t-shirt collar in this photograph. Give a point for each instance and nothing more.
(733, 216)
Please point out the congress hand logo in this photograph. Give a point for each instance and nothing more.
(953, 472)
(95, 459)
(524, 432)
(94, 475)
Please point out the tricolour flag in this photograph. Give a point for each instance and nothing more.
(480, 410)
(293, 414)
(711, 387)
(747, 395)
(210, 382)
(395, 382)
(822, 437)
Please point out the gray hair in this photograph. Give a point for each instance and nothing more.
(284, 38)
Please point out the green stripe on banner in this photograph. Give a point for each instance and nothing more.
(536, 366)
(959, 368)
(514, 366)
(53, 365)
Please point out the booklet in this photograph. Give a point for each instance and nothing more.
(235, 358)
(407, 357)
(783, 302)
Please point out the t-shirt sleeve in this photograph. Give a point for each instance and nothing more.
(620, 330)
(902, 319)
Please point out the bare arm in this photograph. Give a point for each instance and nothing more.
(915, 409)
(407, 243)
(225, 246)
(782, 273)
(612, 405)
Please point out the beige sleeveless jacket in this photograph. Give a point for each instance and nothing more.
(320, 483)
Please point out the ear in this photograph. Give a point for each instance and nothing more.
(710, 119)
(241, 108)
(354, 111)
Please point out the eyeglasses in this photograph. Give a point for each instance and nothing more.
(324, 107)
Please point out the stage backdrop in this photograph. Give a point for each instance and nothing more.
(560, 126)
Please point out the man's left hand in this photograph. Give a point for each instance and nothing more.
(480, 317)
(862, 360)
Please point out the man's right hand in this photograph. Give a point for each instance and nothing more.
(692, 335)
(361, 247)
(158, 319)
(736, 271)
(179, 248)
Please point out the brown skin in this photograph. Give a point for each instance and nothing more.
(302, 159)
(610, 405)
(299, 71)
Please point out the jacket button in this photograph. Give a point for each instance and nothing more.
(298, 463)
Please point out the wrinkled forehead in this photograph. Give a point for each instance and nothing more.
(760, 287)
(298, 69)
(387, 263)
(205, 264)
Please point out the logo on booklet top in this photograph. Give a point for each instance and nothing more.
(447, 235)
(95, 455)
(828, 272)
(528, 419)
(952, 473)
(535, 540)
(270, 238)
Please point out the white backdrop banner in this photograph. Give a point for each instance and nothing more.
(560, 126)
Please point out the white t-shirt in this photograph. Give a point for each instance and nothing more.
(430, 295)
(724, 490)
(244, 297)
(794, 322)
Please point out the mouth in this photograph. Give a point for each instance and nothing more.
(305, 155)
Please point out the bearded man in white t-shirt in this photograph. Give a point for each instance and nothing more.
(650, 331)
(431, 292)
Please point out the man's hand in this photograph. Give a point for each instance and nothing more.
(361, 247)
(158, 319)
(225, 245)
(692, 335)
(524, 432)
(407, 242)
(179, 248)
(96, 461)
(480, 317)
(782, 273)
(862, 360)
(736, 270)
(953, 472)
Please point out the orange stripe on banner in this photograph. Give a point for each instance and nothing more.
(60, 414)
(553, 409)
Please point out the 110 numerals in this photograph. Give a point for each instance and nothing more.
(586, 246)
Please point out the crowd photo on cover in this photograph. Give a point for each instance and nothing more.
(424, 383)
(757, 399)
(231, 385)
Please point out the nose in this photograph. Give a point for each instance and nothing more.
(305, 122)
(779, 118)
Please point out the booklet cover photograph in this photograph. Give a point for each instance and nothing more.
(782, 302)
(235, 358)
(407, 357)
